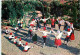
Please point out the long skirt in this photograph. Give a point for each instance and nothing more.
(58, 42)
(72, 37)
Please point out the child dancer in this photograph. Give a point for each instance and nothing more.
(11, 36)
(15, 40)
(16, 29)
(6, 31)
(19, 42)
(26, 47)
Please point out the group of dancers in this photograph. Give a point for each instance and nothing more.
(16, 41)
(68, 31)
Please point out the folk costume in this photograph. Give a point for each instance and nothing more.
(45, 35)
(72, 37)
(30, 31)
(59, 21)
(16, 28)
(6, 31)
(26, 47)
(32, 23)
(58, 36)
(19, 42)
(68, 32)
(71, 26)
(38, 24)
(11, 36)
(15, 40)
(44, 20)
(53, 23)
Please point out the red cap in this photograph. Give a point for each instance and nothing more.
(11, 33)
(44, 28)
(71, 23)
(6, 27)
(68, 29)
(15, 37)
(19, 39)
(32, 19)
(26, 43)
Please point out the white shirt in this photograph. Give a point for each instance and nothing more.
(45, 33)
(16, 28)
(19, 42)
(15, 40)
(11, 36)
(26, 47)
(68, 33)
(7, 31)
(58, 35)
(44, 19)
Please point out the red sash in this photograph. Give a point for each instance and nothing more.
(67, 36)
(30, 30)
(14, 42)
(25, 50)
(44, 36)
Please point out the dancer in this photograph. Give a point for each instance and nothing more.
(72, 37)
(65, 26)
(44, 20)
(67, 33)
(71, 26)
(30, 31)
(38, 24)
(45, 35)
(6, 31)
(52, 23)
(58, 36)
(19, 24)
(68, 25)
(32, 23)
(11, 36)
(16, 29)
(59, 21)
(15, 40)
(26, 47)
(19, 42)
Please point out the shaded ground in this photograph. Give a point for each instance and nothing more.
(9, 48)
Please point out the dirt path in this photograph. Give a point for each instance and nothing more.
(9, 48)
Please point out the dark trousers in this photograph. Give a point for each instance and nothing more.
(44, 40)
(59, 26)
(45, 24)
(67, 39)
